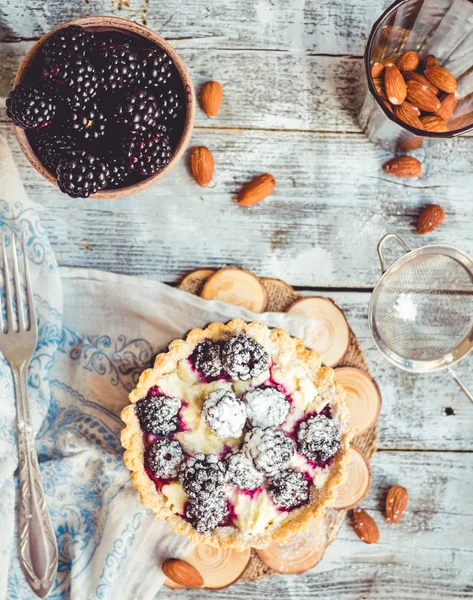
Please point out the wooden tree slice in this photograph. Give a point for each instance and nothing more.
(300, 553)
(194, 282)
(332, 336)
(363, 397)
(219, 567)
(238, 287)
(280, 294)
(357, 483)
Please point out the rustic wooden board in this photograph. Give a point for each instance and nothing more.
(427, 556)
(320, 228)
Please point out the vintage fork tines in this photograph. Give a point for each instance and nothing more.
(18, 339)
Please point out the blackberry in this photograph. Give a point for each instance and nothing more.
(118, 67)
(74, 78)
(53, 147)
(81, 174)
(164, 458)
(289, 489)
(224, 413)
(70, 41)
(88, 123)
(158, 414)
(243, 358)
(265, 407)
(138, 112)
(203, 476)
(207, 515)
(206, 358)
(156, 68)
(318, 438)
(242, 473)
(147, 153)
(170, 105)
(270, 449)
(30, 107)
(120, 172)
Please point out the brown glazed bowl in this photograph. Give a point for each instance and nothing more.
(134, 30)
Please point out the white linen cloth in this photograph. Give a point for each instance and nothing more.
(97, 332)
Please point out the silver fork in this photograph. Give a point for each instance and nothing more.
(38, 546)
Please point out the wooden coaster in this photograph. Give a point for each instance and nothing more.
(332, 336)
(219, 567)
(300, 553)
(238, 287)
(363, 397)
(194, 282)
(357, 483)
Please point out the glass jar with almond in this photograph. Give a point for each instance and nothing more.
(417, 84)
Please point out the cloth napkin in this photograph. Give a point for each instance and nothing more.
(97, 332)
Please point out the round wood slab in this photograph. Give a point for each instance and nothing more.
(363, 397)
(357, 483)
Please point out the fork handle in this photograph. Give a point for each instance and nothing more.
(38, 546)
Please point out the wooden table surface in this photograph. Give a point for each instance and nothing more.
(290, 70)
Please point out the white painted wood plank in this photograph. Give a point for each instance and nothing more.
(321, 26)
(290, 91)
(320, 227)
(426, 556)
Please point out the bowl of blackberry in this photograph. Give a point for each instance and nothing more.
(102, 107)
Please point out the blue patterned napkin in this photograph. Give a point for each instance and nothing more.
(97, 332)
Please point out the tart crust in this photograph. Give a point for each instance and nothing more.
(289, 348)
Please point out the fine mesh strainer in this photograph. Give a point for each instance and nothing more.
(421, 311)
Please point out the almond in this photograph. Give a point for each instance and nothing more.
(420, 96)
(365, 526)
(409, 114)
(379, 87)
(448, 106)
(211, 97)
(442, 79)
(377, 69)
(396, 502)
(434, 123)
(394, 85)
(388, 106)
(256, 190)
(403, 166)
(202, 165)
(409, 61)
(430, 218)
(413, 76)
(430, 61)
(393, 33)
(183, 573)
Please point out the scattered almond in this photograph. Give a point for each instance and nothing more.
(365, 526)
(211, 97)
(377, 69)
(448, 106)
(256, 190)
(442, 79)
(396, 503)
(379, 87)
(413, 76)
(431, 61)
(183, 573)
(409, 61)
(420, 96)
(409, 114)
(394, 85)
(434, 123)
(202, 165)
(430, 218)
(403, 166)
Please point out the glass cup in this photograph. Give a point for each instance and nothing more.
(442, 28)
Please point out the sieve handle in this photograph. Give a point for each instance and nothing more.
(381, 243)
(460, 384)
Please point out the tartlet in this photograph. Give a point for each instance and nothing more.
(238, 436)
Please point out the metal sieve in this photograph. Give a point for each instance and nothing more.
(421, 311)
